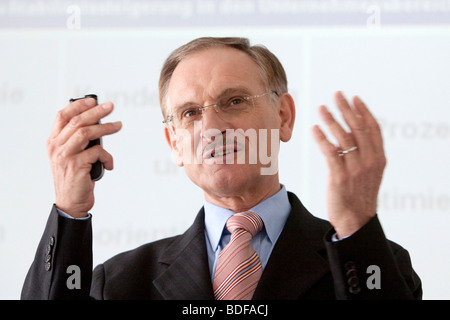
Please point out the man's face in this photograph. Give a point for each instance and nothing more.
(203, 78)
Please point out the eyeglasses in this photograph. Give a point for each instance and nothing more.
(231, 107)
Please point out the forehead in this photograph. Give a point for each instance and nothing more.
(205, 74)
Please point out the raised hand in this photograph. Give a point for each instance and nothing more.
(74, 127)
(355, 166)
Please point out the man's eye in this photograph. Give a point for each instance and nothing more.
(190, 113)
(236, 101)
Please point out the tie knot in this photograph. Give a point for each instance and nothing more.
(247, 220)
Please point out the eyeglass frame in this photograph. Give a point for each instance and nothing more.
(217, 107)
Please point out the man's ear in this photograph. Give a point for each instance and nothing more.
(287, 116)
(171, 140)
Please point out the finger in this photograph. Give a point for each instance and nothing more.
(329, 150)
(374, 129)
(344, 138)
(80, 139)
(65, 115)
(94, 154)
(355, 123)
(350, 116)
(89, 117)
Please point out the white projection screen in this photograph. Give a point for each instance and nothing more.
(394, 54)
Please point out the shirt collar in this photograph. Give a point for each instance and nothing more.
(273, 211)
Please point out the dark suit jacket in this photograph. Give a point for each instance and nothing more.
(304, 264)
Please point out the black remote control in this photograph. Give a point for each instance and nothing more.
(97, 169)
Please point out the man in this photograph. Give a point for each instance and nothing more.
(224, 102)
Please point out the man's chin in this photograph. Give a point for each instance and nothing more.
(227, 178)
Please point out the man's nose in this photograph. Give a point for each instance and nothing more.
(211, 120)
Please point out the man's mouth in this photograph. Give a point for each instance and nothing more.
(220, 152)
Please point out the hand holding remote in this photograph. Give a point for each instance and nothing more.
(72, 154)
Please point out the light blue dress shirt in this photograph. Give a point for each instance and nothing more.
(273, 211)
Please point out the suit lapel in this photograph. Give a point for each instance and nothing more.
(297, 261)
(187, 275)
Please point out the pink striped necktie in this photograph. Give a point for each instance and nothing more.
(238, 267)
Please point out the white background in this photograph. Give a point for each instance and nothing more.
(401, 71)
